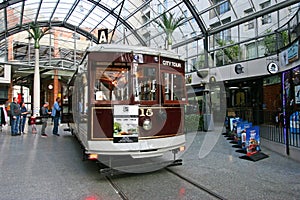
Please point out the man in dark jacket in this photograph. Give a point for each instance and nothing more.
(15, 113)
(44, 114)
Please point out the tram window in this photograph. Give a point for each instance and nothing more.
(111, 84)
(145, 84)
(173, 87)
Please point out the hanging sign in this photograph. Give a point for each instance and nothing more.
(103, 36)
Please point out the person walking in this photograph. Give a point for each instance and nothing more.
(15, 113)
(44, 114)
(56, 115)
(23, 117)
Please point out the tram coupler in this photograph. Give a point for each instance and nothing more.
(175, 163)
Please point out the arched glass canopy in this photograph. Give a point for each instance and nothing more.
(209, 25)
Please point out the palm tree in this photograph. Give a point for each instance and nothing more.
(169, 24)
(37, 33)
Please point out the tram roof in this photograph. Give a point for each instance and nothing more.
(134, 49)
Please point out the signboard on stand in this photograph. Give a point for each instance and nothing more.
(252, 140)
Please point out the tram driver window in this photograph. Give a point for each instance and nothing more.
(111, 84)
(173, 87)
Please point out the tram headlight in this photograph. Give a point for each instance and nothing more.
(147, 124)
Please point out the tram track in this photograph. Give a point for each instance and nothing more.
(117, 189)
(197, 185)
(120, 192)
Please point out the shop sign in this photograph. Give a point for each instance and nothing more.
(272, 68)
(238, 69)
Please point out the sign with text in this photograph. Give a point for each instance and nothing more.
(125, 123)
(103, 36)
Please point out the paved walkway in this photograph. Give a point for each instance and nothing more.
(34, 168)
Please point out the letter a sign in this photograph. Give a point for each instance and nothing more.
(103, 36)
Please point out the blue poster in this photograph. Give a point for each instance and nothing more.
(293, 52)
(252, 140)
(294, 122)
(241, 132)
(234, 122)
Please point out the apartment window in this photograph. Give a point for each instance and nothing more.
(185, 14)
(266, 19)
(224, 35)
(224, 7)
(249, 25)
(221, 9)
(145, 18)
(146, 36)
(159, 8)
(166, 3)
(76, 36)
(193, 62)
(251, 51)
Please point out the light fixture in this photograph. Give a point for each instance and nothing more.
(147, 125)
(50, 86)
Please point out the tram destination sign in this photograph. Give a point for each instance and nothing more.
(173, 63)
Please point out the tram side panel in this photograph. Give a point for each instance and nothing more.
(164, 124)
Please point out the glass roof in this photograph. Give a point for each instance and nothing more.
(134, 22)
(132, 19)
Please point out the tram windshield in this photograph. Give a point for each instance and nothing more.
(111, 83)
(148, 82)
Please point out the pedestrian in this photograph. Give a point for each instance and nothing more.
(15, 113)
(56, 115)
(23, 117)
(44, 114)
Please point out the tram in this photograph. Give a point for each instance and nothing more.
(127, 106)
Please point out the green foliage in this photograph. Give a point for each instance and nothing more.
(37, 33)
(200, 62)
(283, 39)
(169, 24)
(231, 53)
(270, 43)
(194, 122)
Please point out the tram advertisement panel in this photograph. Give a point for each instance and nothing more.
(125, 123)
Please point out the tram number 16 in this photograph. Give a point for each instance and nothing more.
(148, 112)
